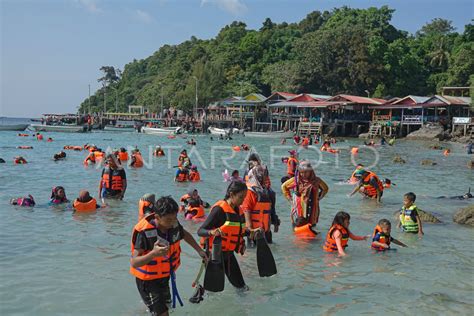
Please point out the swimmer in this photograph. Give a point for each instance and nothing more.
(465, 196)
(23, 201)
(59, 156)
(58, 196)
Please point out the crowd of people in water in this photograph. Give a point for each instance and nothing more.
(245, 216)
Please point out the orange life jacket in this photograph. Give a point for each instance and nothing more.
(99, 155)
(123, 156)
(159, 267)
(260, 214)
(304, 231)
(194, 176)
(144, 208)
(232, 230)
(85, 207)
(290, 170)
(182, 177)
(112, 182)
(199, 209)
(90, 157)
(305, 142)
(138, 160)
(330, 244)
(384, 239)
(369, 190)
(236, 148)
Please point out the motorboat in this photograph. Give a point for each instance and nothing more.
(161, 130)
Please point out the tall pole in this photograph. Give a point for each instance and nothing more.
(89, 99)
(161, 112)
(116, 100)
(196, 104)
(105, 97)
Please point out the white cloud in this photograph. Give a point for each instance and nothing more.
(143, 16)
(236, 7)
(89, 5)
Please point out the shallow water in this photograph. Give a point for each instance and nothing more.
(55, 262)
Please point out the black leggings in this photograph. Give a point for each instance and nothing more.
(232, 269)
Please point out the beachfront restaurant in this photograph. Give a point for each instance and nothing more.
(410, 113)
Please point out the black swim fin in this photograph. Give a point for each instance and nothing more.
(265, 261)
(214, 278)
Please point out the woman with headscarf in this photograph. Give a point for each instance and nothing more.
(304, 191)
(257, 205)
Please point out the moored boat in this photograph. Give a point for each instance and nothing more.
(276, 134)
(121, 126)
(58, 128)
(218, 131)
(161, 130)
(13, 127)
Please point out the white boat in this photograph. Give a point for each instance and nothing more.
(121, 126)
(161, 130)
(276, 134)
(218, 131)
(58, 128)
(13, 127)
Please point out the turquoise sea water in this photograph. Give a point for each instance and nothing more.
(54, 262)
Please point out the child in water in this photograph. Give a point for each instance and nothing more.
(381, 238)
(23, 201)
(58, 196)
(339, 234)
(410, 221)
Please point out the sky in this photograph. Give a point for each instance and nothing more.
(51, 50)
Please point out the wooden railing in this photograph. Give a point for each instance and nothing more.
(412, 119)
(386, 117)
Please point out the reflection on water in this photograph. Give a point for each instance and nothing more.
(60, 262)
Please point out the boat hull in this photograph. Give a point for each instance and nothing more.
(119, 129)
(218, 131)
(161, 131)
(16, 127)
(276, 135)
(58, 128)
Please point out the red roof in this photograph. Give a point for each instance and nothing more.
(285, 94)
(356, 99)
(303, 98)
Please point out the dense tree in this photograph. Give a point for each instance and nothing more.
(343, 51)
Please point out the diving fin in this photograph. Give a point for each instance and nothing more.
(214, 278)
(265, 261)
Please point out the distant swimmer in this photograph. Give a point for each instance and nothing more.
(191, 142)
(136, 160)
(58, 196)
(28, 201)
(59, 156)
(158, 151)
(194, 175)
(19, 160)
(465, 196)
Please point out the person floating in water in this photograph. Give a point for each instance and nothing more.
(381, 238)
(191, 142)
(410, 221)
(28, 201)
(59, 156)
(465, 196)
